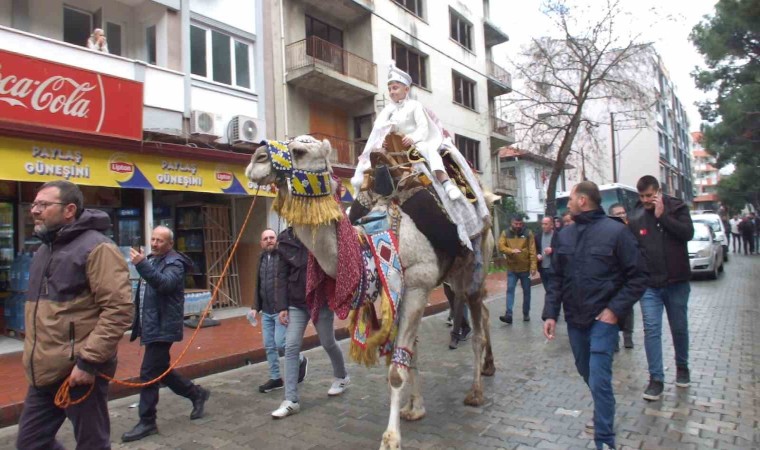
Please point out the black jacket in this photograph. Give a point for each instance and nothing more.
(664, 241)
(290, 287)
(747, 228)
(266, 282)
(163, 304)
(540, 246)
(597, 265)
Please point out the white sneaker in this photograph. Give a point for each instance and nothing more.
(453, 190)
(339, 386)
(287, 408)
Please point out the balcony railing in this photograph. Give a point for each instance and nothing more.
(506, 183)
(343, 150)
(498, 73)
(313, 51)
(502, 127)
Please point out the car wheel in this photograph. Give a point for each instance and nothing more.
(721, 268)
(725, 254)
(714, 274)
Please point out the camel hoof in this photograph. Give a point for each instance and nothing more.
(489, 368)
(411, 414)
(391, 441)
(474, 398)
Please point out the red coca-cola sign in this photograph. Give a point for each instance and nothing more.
(45, 93)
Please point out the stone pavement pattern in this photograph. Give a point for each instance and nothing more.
(535, 400)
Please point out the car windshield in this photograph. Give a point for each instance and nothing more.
(701, 233)
(713, 223)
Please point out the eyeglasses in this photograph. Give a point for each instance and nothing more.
(43, 205)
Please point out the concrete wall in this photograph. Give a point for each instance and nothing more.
(6, 13)
(240, 14)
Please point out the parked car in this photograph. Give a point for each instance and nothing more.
(705, 252)
(713, 220)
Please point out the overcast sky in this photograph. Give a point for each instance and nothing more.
(523, 20)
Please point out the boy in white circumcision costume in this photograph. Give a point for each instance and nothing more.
(408, 118)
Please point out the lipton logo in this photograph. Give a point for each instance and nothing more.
(224, 177)
(55, 94)
(122, 167)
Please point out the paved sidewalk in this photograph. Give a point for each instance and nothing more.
(535, 400)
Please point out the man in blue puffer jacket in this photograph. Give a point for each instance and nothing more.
(598, 275)
(158, 323)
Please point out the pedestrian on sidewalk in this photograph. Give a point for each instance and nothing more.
(294, 313)
(461, 331)
(626, 322)
(598, 275)
(545, 244)
(158, 322)
(737, 237)
(747, 230)
(662, 224)
(264, 304)
(519, 247)
(78, 307)
(756, 220)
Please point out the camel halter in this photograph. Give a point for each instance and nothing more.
(302, 183)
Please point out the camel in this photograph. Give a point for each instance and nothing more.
(424, 269)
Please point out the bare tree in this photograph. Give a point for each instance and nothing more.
(592, 60)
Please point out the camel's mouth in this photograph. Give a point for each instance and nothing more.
(259, 170)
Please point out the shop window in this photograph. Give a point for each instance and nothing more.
(410, 61)
(470, 149)
(77, 26)
(211, 56)
(464, 91)
(460, 29)
(413, 6)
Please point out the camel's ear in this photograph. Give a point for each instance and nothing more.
(325, 148)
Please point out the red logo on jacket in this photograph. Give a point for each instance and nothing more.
(643, 231)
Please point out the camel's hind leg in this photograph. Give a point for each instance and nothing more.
(412, 309)
(489, 368)
(475, 396)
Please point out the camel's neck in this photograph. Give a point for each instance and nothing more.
(322, 242)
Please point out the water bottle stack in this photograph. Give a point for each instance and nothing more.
(19, 284)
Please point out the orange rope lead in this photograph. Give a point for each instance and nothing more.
(63, 396)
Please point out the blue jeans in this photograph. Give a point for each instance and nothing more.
(674, 298)
(512, 278)
(274, 342)
(593, 348)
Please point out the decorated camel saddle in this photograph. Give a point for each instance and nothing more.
(399, 174)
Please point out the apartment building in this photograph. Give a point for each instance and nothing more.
(330, 62)
(706, 176)
(158, 129)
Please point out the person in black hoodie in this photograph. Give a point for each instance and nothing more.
(663, 226)
(598, 274)
(158, 323)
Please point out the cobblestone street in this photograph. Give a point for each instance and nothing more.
(535, 400)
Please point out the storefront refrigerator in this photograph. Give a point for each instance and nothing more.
(6, 257)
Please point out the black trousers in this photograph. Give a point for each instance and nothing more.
(749, 244)
(460, 321)
(41, 419)
(627, 325)
(155, 362)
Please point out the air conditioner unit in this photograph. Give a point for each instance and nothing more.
(246, 130)
(541, 194)
(203, 123)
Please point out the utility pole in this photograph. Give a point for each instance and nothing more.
(612, 139)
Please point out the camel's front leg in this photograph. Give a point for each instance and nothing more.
(415, 406)
(411, 311)
(489, 368)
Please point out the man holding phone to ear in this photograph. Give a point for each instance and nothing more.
(663, 227)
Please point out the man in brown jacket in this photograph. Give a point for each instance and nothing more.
(519, 247)
(77, 309)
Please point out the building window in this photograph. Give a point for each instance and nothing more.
(537, 175)
(410, 61)
(413, 6)
(113, 34)
(220, 57)
(464, 91)
(460, 29)
(150, 44)
(315, 27)
(470, 149)
(77, 26)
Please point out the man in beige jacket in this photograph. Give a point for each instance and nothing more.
(77, 309)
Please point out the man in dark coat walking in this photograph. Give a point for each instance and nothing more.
(158, 323)
(597, 276)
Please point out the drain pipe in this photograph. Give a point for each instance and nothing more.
(284, 70)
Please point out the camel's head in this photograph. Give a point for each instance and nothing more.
(304, 152)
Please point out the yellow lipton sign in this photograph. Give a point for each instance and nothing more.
(25, 160)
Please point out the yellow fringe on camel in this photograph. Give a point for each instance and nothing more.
(363, 318)
(298, 210)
